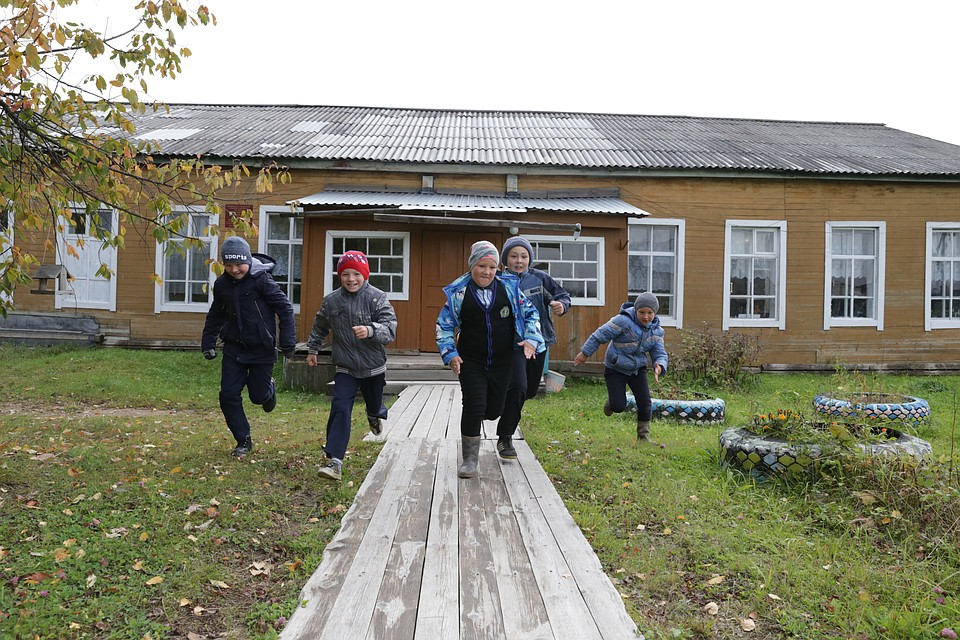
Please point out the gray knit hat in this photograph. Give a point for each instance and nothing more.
(647, 299)
(235, 249)
(481, 250)
(515, 241)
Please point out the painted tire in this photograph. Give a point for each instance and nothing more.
(764, 457)
(913, 410)
(705, 411)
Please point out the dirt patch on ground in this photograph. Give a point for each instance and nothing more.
(81, 411)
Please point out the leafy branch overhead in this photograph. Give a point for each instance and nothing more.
(68, 140)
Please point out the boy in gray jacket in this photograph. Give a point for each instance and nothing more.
(362, 321)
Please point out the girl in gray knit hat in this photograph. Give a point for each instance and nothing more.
(633, 333)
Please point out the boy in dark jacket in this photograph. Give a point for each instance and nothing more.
(247, 306)
(632, 334)
(362, 321)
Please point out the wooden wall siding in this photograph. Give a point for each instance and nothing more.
(704, 203)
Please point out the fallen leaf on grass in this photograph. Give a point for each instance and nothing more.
(220, 584)
(292, 566)
(154, 580)
(715, 580)
(184, 602)
(138, 565)
(774, 596)
(747, 624)
(43, 457)
(92, 580)
(711, 608)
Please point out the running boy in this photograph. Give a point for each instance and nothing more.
(362, 321)
(247, 306)
(632, 334)
(549, 298)
(486, 331)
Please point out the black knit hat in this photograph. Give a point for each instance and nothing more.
(236, 250)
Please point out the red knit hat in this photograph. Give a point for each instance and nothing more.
(354, 260)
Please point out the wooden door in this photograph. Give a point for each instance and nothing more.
(443, 257)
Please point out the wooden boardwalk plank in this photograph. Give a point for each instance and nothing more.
(424, 555)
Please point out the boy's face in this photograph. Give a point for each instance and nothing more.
(518, 259)
(351, 279)
(484, 271)
(645, 315)
(237, 270)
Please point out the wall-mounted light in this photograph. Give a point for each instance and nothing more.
(513, 231)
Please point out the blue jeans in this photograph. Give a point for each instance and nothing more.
(345, 388)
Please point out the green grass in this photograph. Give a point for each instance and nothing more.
(123, 516)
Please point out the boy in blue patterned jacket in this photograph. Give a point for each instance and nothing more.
(486, 331)
(632, 334)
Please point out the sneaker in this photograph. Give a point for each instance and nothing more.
(242, 448)
(376, 427)
(607, 411)
(505, 448)
(332, 471)
(271, 402)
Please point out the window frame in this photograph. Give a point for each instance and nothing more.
(266, 211)
(159, 305)
(676, 318)
(779, 322)
(599, 301)
(929, 322)
(880, 267)
(6, 214)
(69, 234)
(332, 234)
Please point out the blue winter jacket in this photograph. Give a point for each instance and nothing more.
(245, 314)
(526, 318)
(541, 289)
(630, 342)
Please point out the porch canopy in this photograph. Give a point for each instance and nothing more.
(394, 206)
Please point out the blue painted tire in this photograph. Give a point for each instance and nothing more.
(698, 411)
(913, 409)
(772, 457)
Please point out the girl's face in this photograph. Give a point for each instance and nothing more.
(645, 315)
(484, 271)
(351, 279)
(236, 269)
(518, 259)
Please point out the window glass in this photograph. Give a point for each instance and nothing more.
(572, 263)
(386, 252)
(653, 262)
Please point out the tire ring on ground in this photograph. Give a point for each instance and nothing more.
(914, 410)
(761, 457)
(696, 411)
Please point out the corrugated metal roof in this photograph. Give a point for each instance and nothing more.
(546, 139)
(463, 202)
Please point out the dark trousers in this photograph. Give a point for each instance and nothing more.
(484, 392)
(617, 384)
(345, 388)
(522, 388)
(234, 376)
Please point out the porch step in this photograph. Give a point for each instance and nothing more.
(36, 329)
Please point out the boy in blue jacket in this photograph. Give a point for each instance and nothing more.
(246, 310)
(632, 334)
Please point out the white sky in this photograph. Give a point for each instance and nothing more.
(840, 60)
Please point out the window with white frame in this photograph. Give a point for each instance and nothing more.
(755, 273)
(655, 264)
(6, 242)
(388, 253)
(281, 238)
(187, 281)
(575, 264)
(854, 274)
(942, 276)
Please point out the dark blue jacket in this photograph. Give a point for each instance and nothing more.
(541, 289)
(245, 313)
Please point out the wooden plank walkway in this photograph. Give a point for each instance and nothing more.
(424, 555)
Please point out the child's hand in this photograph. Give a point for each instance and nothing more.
(557, 307)
(455, 363)
(579, 359)
(361, 332)
(311, 360)
(529, 351)
(657, 370)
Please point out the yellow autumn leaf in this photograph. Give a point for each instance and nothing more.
(175, 470)
(138, 565)
(144, 536)
(715, 580)
(184, 602)
(667, 531)
(747, 624)
(220, 584)
(155, 580)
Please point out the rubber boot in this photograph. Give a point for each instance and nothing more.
(643, 429)
(471, 456)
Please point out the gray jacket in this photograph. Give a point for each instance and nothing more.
(340, 312)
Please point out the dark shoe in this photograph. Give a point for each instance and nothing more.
(607, 411)
(471, 456)
(333, 470)
(271, 403)
(376, 427)
(505, 448)
(242, 448)
(643, 429)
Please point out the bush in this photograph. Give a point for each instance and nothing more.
(717, 358)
